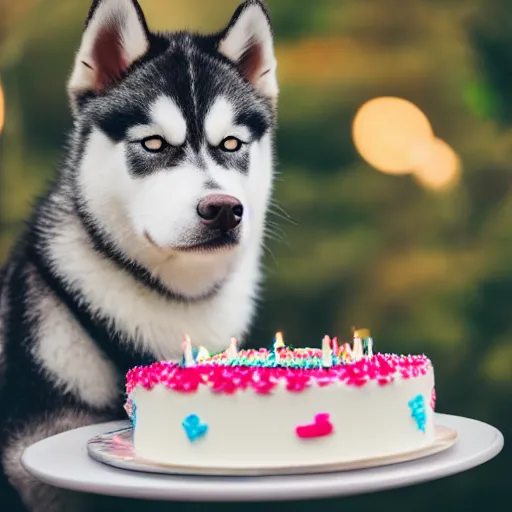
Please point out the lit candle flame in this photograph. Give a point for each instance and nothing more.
(279, 343)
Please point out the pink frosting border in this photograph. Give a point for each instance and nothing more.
(222, 378)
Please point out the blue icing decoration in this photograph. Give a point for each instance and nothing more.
(134, 415)
(130, 409)
(418, 411)
(194, 428)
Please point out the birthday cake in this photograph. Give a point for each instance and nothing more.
(281, 407)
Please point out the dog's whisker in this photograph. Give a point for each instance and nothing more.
(279, 212)
(274, 236)
(267, 248)
(274, 203)
(275, 225)
(281, 215)
(275, 232)
(269, 228)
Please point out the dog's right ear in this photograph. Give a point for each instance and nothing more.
(115, 36)
(248, 42)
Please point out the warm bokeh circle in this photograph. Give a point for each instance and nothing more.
(2, 107)
(437, 166)
(386, 129)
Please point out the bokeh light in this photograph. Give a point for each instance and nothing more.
(2, 108)
(436, 165)
(386, 130)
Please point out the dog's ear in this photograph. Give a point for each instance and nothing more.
(115, 36)
(248, 42)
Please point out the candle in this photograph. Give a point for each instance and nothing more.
(357, 349)
(278, 343)
(346, 350)
(361, 336)
(366, 341)
(369, 346)
(202, 354)
(326, 352)
(335, 346)
(187, 351)
(232, 349)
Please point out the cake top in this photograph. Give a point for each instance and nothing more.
(262, 370)
(227, 378)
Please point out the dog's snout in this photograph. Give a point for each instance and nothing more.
(219, 211)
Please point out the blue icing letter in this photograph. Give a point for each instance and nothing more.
(194, 428)
(418, 411)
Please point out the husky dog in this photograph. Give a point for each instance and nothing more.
(153, 228)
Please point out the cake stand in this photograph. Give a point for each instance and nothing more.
(62, 461)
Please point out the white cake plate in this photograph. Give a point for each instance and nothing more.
(62, 461)
(116, 449)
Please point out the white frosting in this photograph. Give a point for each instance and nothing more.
(249, 430)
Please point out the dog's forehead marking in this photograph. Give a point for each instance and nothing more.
(219, 120)
(165, 113)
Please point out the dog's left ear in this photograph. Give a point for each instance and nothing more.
(248, 42)
(115, 36)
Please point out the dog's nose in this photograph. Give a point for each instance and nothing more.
(219, 211)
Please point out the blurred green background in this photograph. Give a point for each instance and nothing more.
(426, 270)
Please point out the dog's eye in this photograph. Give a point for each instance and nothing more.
(231, 144)
(153, 144)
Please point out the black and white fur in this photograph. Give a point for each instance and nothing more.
(116, 265)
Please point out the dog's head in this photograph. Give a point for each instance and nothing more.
(174, 134)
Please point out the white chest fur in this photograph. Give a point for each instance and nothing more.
(142, 316)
